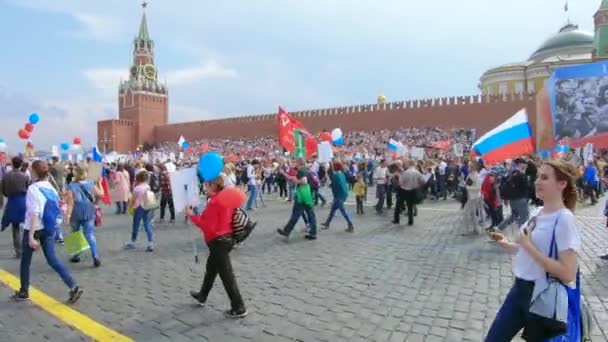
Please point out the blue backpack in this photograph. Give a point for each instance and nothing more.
(51, 214)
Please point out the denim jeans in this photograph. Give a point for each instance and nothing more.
(252, 189)
(520, 212)
(380, 194)
(88, 229)
(141, 214)
(48, 248)
(338, 205)
(511, 317)
(297, 212)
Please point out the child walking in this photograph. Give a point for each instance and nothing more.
(360, 189)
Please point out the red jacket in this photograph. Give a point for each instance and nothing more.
(214, 221)
(488, 191)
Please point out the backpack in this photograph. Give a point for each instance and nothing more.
(150, 201)
(242, 225)
(51, 213)
(506, 188)
(313, 180)
(154, 183)
(244, 178)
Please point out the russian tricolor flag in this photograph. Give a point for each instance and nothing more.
(511, 139)
(393, 145)
(182, 142)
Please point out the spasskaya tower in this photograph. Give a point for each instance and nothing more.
(143, 101)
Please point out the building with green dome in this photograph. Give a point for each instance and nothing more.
(569, 46)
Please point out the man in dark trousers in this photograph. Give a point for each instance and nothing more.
(14, 186)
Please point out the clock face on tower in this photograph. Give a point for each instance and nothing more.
(149, 71)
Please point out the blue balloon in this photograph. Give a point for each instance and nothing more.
(339, 141)
(34, 118)
(65, 146)
(210, 166)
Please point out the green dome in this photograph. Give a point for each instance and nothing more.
(569, 37)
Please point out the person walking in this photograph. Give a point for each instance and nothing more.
(553, 229)
(409, 183)
(303, 203)
(14, 186)
(215, 222)
(166, 195)
(37, 235)
(339, 189)
(140, 213)
(379, 176)
(473, 207)
(82, 196)
(120, 189)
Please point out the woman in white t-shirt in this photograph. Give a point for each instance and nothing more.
(36, 235)
(556, 186)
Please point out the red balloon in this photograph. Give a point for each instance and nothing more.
(311, 146)
(23, 134)
(231, 198)
(326, 136)
(77, 141)
(29, 127)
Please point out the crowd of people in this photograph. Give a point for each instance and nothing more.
(39, 195)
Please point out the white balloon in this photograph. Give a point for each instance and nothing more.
(336, 134)
(3, 147)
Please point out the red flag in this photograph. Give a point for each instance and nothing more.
(286, 126)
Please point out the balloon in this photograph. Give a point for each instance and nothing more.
(3, 146)
(65, 146)
(29, 127)
(76, 141)
(34, 118)
(311, 146)
(339, 141)
(231, 198)
(326, 136)
(23, 134)
(210, 166)
(336, 134)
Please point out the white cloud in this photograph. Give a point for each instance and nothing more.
(98, 27)
(106, 80)
(206, 71)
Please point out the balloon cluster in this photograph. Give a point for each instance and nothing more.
(28, 128)
(335, 137)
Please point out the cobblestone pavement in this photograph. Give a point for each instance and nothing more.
(382, 283)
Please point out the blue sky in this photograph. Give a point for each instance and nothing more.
(64, 58)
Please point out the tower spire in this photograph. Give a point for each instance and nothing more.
(143, 27)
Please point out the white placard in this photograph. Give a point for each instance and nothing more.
(588, 152)
(417, 153)
(458, 150)
(184, 187)
(325, 152)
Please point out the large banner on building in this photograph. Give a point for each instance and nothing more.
(578, 98)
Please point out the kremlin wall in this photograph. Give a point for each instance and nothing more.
(480, 112)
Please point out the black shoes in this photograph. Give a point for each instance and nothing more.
(75, 294)
(196, 295)
(236, 313)
(20, 296)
